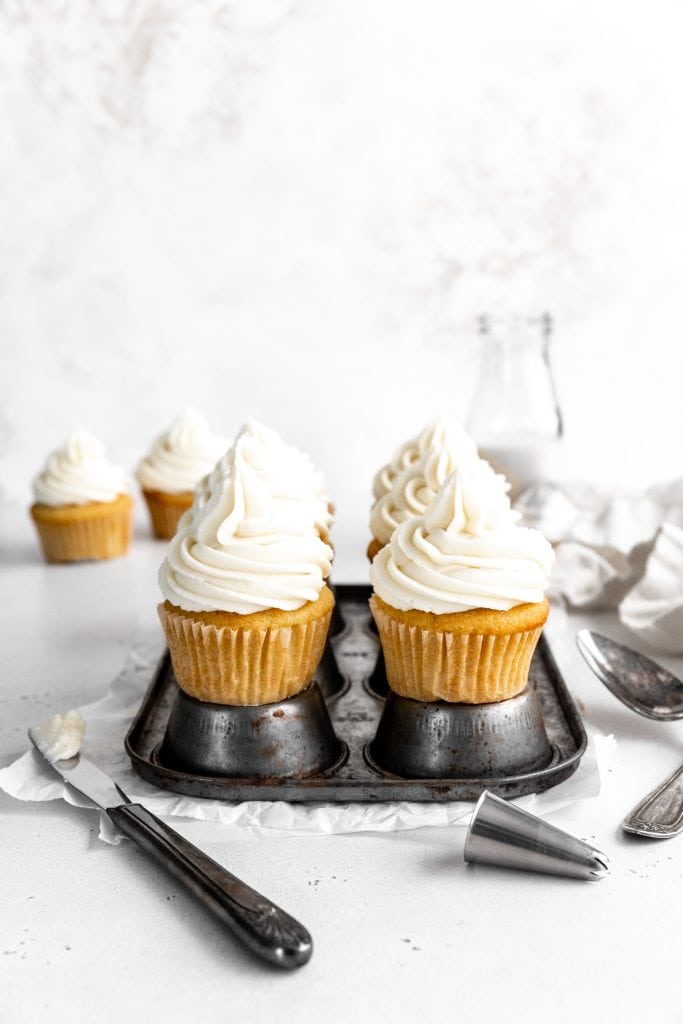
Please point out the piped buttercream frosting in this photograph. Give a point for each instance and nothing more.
(181, 456)
(246, 545)
(465, 551)
(79, 473)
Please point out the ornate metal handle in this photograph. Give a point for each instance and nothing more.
(660, 814)
(264, 928)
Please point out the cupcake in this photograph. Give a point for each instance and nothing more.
(246, 608)
(177, 461)
(438, 451)
(459, 595)
(82, 508)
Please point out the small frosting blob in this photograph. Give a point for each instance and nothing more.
(245, 548)
(60, 737)
(443, 433)
(181, 456)
(466, 551)
(79, 473)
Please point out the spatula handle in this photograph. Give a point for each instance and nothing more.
(660, 814)
(263, 927)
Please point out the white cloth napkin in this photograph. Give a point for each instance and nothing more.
(617, 550)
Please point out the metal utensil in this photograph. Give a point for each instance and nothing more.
(263, 927)
(504, 835)
(660, 814)
(652, 691)
(636, 680)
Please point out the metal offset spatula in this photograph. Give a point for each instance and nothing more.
(260, 925)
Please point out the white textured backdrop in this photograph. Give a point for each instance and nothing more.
(295, 210)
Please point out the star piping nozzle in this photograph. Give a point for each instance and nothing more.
(504, 835)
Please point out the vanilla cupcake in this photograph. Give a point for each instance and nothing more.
(82, 508)
(247, 609)
(177, 461)
(427, 461)
(459, 595)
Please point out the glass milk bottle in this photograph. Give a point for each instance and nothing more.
(515, 417)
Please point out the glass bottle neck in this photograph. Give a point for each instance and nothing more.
(515, 395)
(509, 338)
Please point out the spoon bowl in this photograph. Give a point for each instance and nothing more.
(636, 680)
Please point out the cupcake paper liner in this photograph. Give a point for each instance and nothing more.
(468, 668)
(222, 665)
(165, 511)
(99, 530)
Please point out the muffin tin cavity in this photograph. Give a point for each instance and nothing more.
(442, 740)
(292, 738)
(341, 741)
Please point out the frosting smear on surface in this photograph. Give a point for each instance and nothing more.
(466, 551)
(60, 737)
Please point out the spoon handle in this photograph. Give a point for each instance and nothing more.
(660, 814)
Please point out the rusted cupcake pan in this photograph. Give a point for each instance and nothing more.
(187, 747)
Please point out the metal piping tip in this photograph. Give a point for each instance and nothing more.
(601, 865)
(504, 835)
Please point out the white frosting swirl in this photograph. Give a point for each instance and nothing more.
(181, 456)
(417, 485)
(245, 549)
(442, 434)
(287, 472)
(466, 551)
(79, 473)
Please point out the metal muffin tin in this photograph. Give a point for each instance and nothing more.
(380, 749)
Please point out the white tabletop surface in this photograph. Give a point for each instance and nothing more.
(403, 929)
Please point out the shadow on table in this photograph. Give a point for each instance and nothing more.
(20, 552)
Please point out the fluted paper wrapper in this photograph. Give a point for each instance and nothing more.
(102, 531)
(468, 668)
(165, 511)
(243, 666)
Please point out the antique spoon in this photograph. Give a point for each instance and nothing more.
(652, 691)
